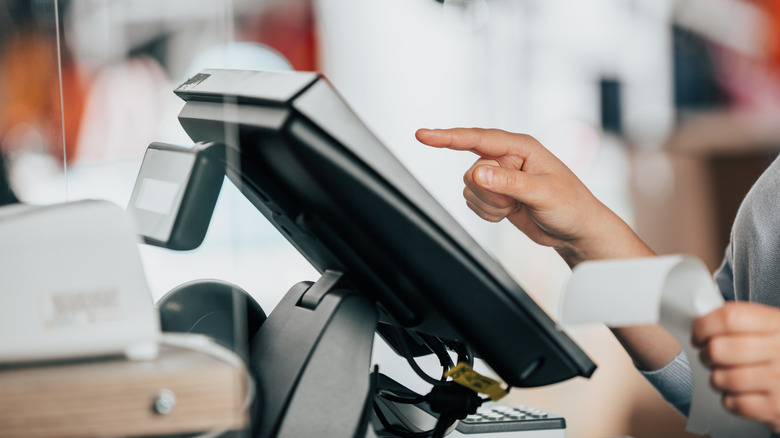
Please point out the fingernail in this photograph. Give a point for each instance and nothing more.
(485, 175)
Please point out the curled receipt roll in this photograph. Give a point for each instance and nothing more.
(672, 291)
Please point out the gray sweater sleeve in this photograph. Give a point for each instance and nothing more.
(674, 381)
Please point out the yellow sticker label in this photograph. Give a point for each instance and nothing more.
(464, 375)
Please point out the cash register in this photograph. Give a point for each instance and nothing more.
(392, 262)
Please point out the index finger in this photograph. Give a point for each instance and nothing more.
(487, 143)
(734, 318)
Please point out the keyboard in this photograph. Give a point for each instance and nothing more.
(525, 421)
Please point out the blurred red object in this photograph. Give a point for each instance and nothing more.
(753, 83)
(288, 27)
(772, 8)
(30, 91)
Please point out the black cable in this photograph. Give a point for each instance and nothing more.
(412, 363)
(470, 353)
(439, 349)
(462, 350)
(395, 430)
(397, 399)
(444, 422)
(423, 375)
(467, 354)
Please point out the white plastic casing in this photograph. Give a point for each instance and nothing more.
(72, 284)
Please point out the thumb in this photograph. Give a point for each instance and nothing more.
(516, 184)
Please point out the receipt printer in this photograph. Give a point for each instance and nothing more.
(72, 284)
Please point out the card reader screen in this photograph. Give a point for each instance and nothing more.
(158, 196)
(156, 200)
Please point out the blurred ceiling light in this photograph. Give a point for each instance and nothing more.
(735, 24)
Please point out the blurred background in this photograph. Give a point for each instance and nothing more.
(667, 109)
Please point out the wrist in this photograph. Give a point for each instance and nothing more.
(607, 237)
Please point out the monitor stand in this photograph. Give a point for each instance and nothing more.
(311, 359)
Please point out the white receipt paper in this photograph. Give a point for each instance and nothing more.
(672, 291)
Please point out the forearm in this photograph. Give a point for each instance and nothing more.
(606, 237)
(650, 346)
